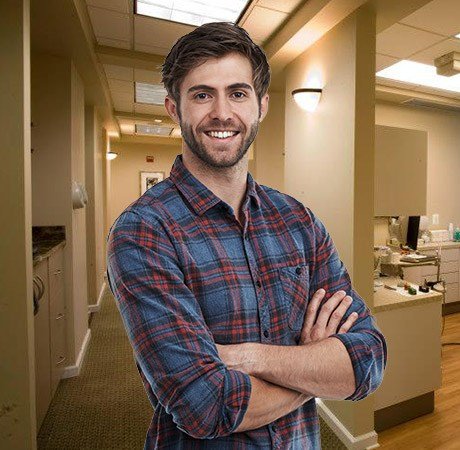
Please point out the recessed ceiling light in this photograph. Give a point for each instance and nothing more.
(154, 94)
(457, 36)
(153, 130)
(157, 120)
(420, 74)
(192, 12)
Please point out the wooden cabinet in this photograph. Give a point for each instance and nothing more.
(57, 318)
(400, 171)
(42, 342)
(50, 342)
(449, 271)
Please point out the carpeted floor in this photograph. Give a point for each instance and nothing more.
(106, 406)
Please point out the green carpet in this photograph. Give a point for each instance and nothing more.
(106, 406)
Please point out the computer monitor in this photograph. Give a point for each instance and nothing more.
(413, 225)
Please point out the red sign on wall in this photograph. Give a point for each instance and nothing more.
(149, 158)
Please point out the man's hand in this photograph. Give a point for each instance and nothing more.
(326, 324)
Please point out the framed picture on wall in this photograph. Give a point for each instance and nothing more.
(149, 179)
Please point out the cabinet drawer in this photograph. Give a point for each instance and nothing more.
(451, 266)
(448, 277)
(447, 254)
(452, 292)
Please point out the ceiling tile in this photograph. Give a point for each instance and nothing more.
(147, 76)
(262, 22)
(119, 72)
(158, 33)
(122, 96)
(122, 86)
(151, 49)
(123, 106)
(286, 6)
(110, 24)
(428, 55)
(402, 41)
(438, 16)
(115, 5)
(383, 61)
(114, 43)
(150, 109)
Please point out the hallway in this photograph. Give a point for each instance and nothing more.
(106, 406)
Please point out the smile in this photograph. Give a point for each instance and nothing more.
(221, 134)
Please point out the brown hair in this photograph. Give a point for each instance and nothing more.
(213, 40)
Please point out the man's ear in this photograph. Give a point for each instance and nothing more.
(171, 107)
(263, 107)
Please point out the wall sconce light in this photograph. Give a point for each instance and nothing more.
(307, 98)
(111, 155)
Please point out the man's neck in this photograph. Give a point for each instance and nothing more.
(229, 184)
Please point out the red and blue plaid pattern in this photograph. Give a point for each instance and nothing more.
(186, 275)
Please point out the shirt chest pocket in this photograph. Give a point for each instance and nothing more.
(295, 287)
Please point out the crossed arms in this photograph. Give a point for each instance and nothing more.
(212, 391)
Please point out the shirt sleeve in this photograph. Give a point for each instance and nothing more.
(364, 341)
(172, 343)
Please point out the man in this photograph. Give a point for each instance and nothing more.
(232, 293)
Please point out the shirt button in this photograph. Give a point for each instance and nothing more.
(259, 284)
(266, 333)
(298, 271)
(246, 237)
(274, 428)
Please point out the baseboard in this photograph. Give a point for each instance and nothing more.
(97, 306)
(74, 371)
(366, 441)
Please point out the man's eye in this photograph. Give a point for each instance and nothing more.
(239, 95)
(201, 96)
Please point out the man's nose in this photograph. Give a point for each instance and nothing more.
(222, 109)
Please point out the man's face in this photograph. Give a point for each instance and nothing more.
(219, 110)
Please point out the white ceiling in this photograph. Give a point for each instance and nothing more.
(422, 36)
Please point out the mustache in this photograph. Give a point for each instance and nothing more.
(220, 126)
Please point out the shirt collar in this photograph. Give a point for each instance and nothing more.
(197, 194)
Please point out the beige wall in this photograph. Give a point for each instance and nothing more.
(94, 159)
(17, 374)
(125, 170)
(330, 159)
(443, 188)
(59, 158)
(269, 145)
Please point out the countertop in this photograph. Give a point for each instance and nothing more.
(435, 245)
(387, 299)
(44, 249)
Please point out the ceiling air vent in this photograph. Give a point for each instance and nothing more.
(153, 130)
(430, 104)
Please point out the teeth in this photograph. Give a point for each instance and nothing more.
(221, 134)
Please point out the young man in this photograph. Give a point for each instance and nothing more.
(233, 294)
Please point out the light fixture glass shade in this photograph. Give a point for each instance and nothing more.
(111, 155)
(307, 98)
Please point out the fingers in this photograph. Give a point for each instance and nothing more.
(327, 309)
(312, 309)
(348, 323)
(337, 315)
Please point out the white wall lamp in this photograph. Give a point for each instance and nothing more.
(111, 155)
(307, 98)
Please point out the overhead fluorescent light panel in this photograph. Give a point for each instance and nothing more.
(153, 94)
(420, 74)
(448, 65)
(192, 12)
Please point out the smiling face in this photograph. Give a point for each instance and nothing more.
(219, 111)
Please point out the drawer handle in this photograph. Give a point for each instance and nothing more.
(57, 272)
(59, 316)
(61, 360)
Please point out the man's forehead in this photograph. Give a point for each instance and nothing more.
(220, 73)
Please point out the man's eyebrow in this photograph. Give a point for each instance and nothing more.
(205, 87)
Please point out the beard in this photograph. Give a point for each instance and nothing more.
(199, 149)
